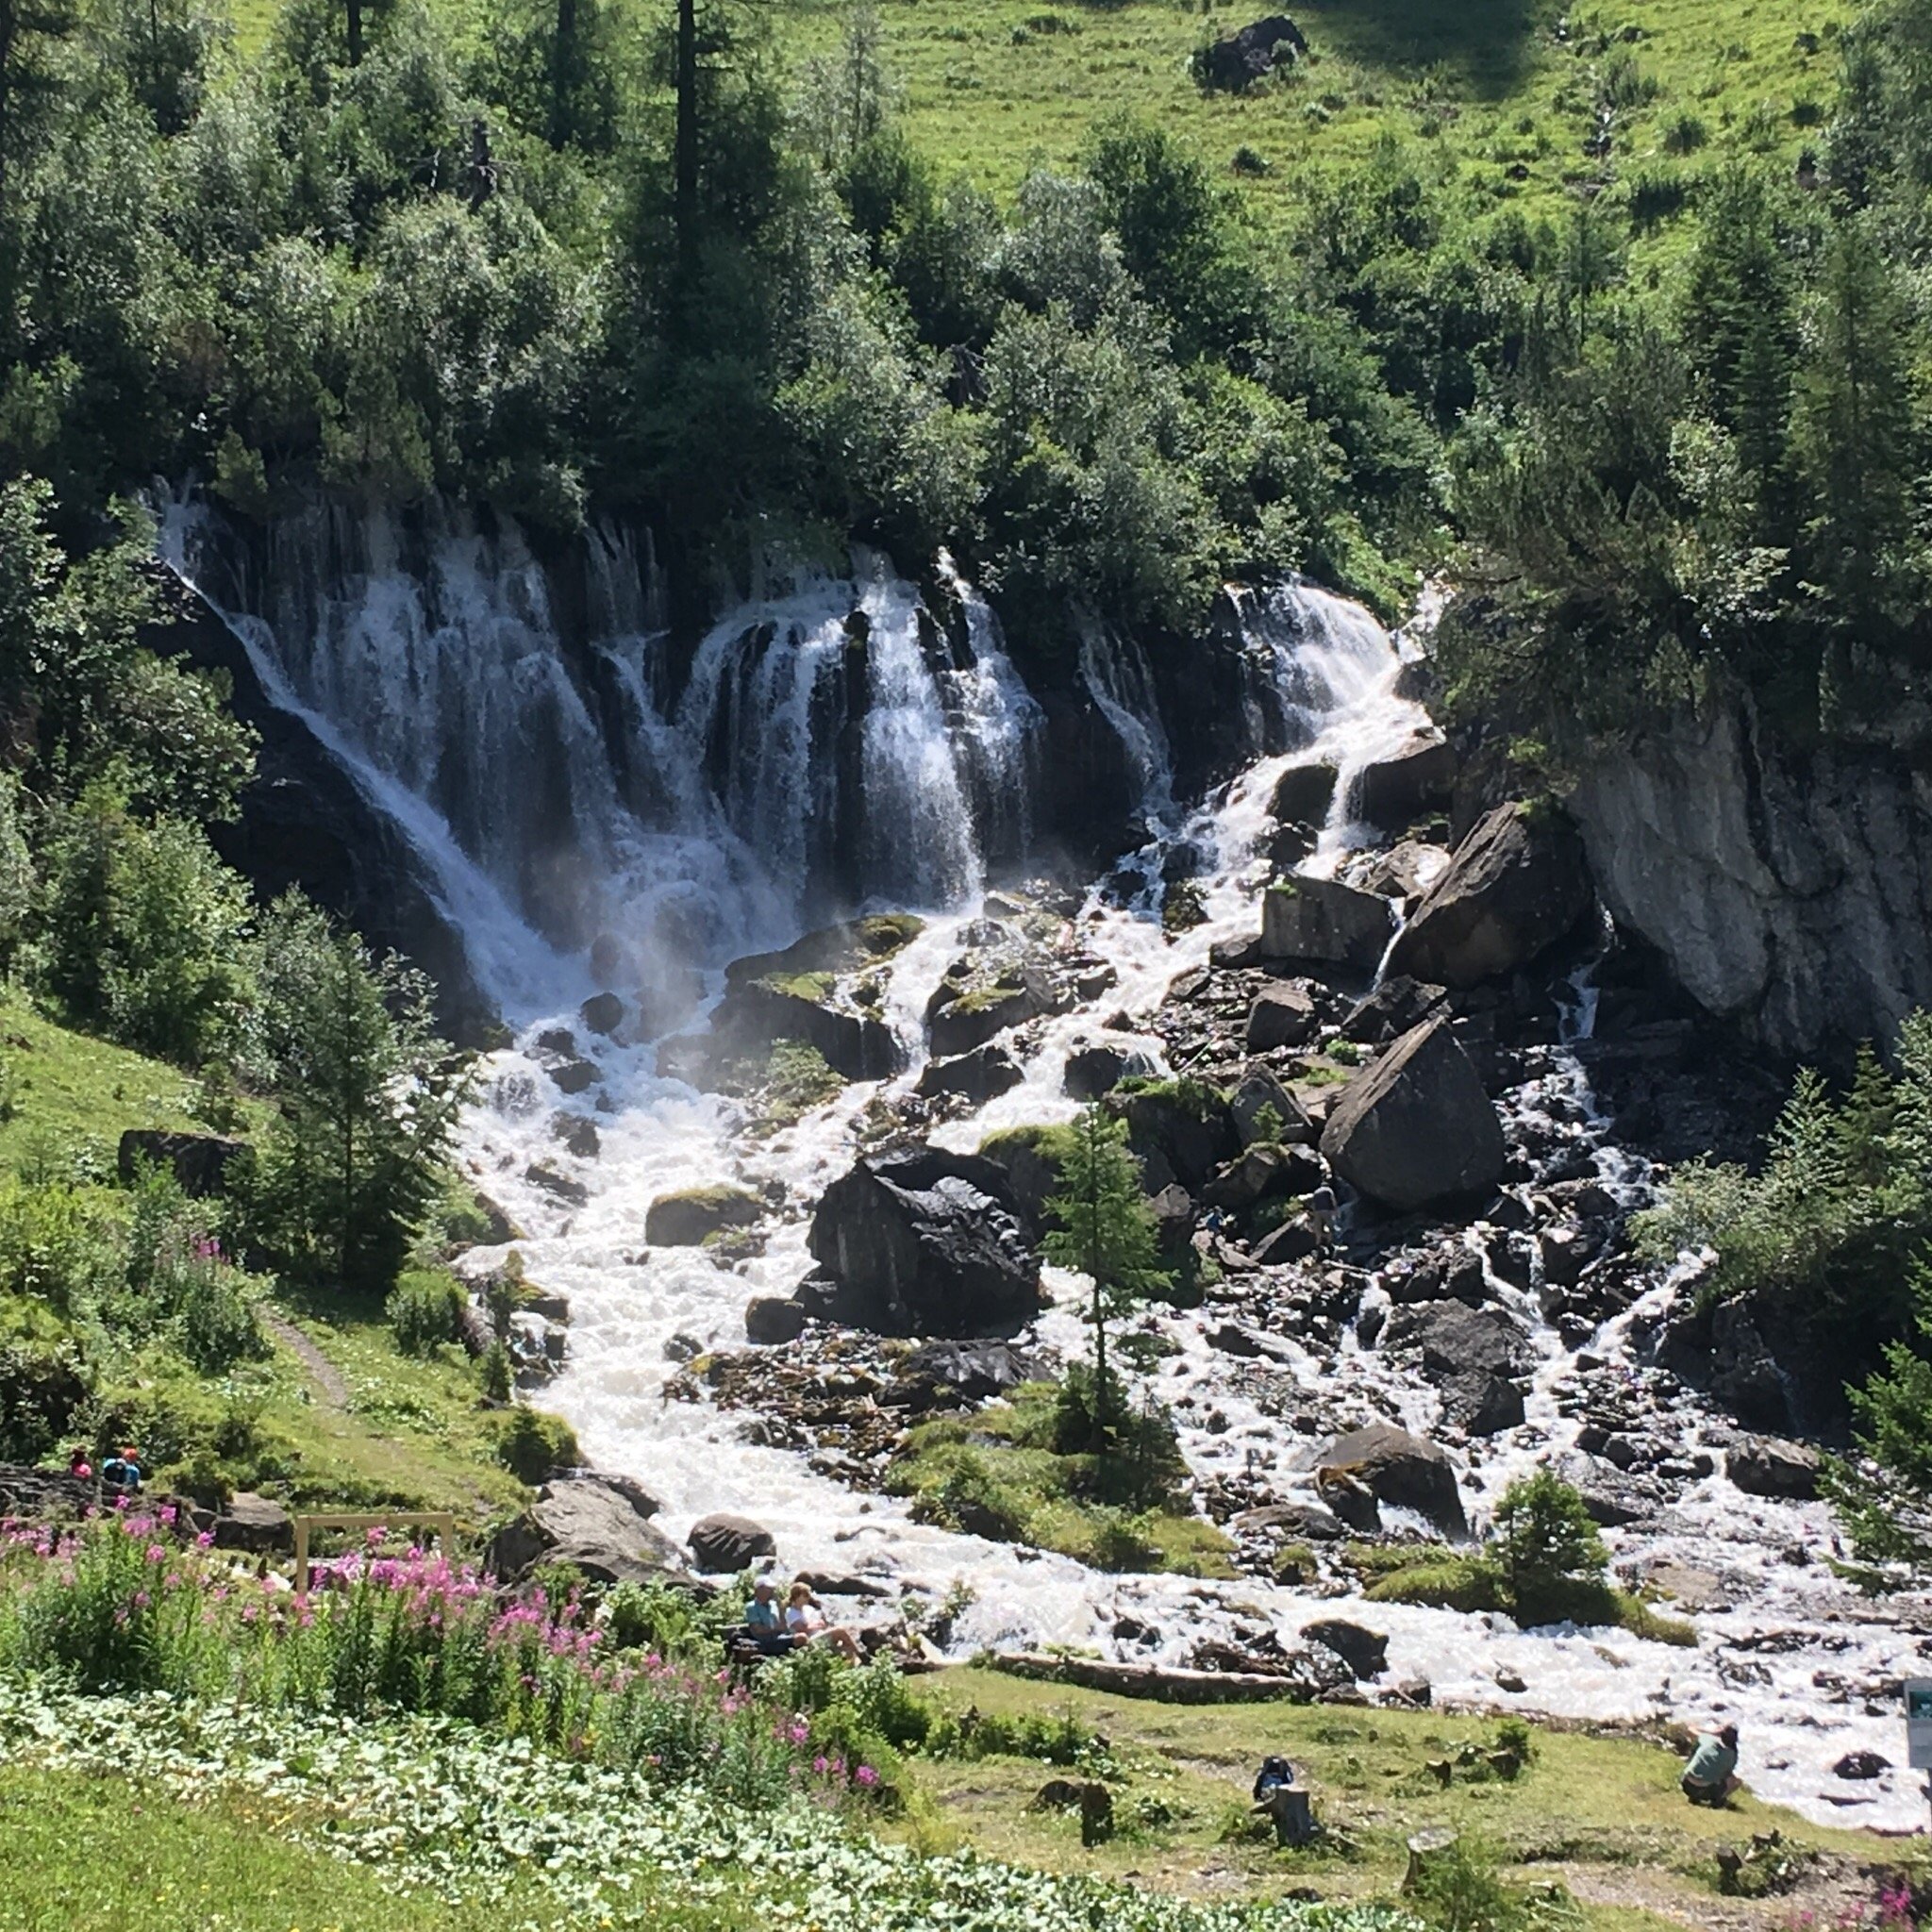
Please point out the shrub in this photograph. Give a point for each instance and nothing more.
(493, 1371)
(534, 1445)
(425, 1311)
(1544, 1545)
(218, 1326)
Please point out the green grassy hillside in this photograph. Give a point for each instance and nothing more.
(1510, 93)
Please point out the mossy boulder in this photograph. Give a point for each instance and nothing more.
(800, 995)
(690, 1216)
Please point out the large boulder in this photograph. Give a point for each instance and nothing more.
(1418, 776)
(978, 1076)
(1264, 1172)
(254, 1523)
(925, 1242)
(1096, 1070)
(1001, 982)
(725, 1545)
(1181, 1130)
(198, 1161)
(1325, 922)
(690, 1216)
(1764, 1466)
(803, 994)
(1400, 1469)
(1283, 1014)
(1303, 794)
(1364, 1651)
(599, 1523)
(1518, 884)
(1416, 1128)
(1236, 62)
(1450, 1338)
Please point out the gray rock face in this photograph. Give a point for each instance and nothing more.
(1180, 1132)
(725, 1546)
(1401, 1469)
(1325, 923)
(925, 1243)
(1450, 1338)
(198, 1161)
(1094, 1071)
(1793, 895)
(599, 1522)
(1263, 1173)
(1416, 1126)
(1766, 1467)
(1516, 885)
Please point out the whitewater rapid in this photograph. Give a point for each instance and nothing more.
(741, 808)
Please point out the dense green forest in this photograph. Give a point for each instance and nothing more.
(384, 257)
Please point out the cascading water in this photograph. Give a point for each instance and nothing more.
(830, 747)
(804, 740)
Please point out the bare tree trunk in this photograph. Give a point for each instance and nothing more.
(685, 207)
(355, 33)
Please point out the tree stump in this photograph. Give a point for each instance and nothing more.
(1293, 1813)
(1424, 1849)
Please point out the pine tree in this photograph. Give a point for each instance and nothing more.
(1105, 1232)
(368, 1095)
(1852, 430)
(1884, 1495)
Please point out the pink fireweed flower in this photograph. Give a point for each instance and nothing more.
(158, 1553)
(798, 1733)
(866, 1775)
(168, 1512)
(141, 1599)
(206, 1540)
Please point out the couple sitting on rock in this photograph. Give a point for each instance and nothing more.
(801, 1621)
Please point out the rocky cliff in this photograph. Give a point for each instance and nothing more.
(1789, 893)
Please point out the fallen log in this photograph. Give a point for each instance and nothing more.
(1163, 1684)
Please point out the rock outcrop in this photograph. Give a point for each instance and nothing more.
(1790, 895)
(1251, 55)
(1518, 884)
(726, 1545)
(1416, 777)
(925, 1242)
(1416, 1126)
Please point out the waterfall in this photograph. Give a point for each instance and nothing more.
(1121, 681)
(832, 745)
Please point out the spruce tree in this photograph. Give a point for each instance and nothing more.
(368, 1097)
(1884, 1494)
(1105, 1232)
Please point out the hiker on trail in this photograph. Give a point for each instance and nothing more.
(805, 1619)
(79, 1467)
(122, 1472)
(1284, 1802)
(764, 1621)
(1711, 1775)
